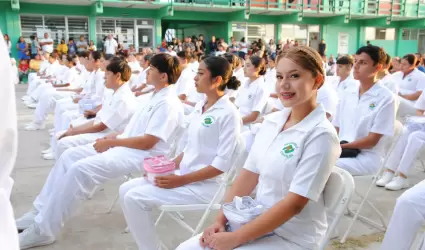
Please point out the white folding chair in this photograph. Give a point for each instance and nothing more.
(171, 155)
(337, 195)
(389, 143)
(239, 157)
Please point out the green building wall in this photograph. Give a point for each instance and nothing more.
(218, 24)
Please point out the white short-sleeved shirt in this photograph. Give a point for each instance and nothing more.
(251, 97)
(160, 117)
(212, 138)
(47, 47)
(44, 65)
(348, 84)
(411, 83)
(117, 111)
(390, 83)
(88, 86)
(135, 66)
(53, 68)
(110, 46)
(69, 76)
(295, 161)
(270, 86)
(240, 75)
(373, 112)
(420, 103)
(185, 81)
(194, 66)
(99, 82)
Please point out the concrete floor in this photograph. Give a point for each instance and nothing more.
(93, 229)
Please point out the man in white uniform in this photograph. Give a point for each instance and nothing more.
(386, 78)
(344, 81)
(80, 169)
(8, 150)
(365, 115)
(46, 43)
(186, 80)
(110, 47)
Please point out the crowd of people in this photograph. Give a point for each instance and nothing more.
(294, 120)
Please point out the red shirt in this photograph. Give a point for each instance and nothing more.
(24, 67)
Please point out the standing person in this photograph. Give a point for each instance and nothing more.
(8, 149)
(212, 45)
(322, 48)
(203, 46)
(35, 47)
(72, 47)
(365, 114)
(110, 47)
(243, 48)
(22, 48)
(82, 45)
(288, 166)
(8, 44)
(207, 155)
(62, 48)
(46, 43)
(92, 47)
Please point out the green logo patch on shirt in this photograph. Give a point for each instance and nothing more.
(372, 106)
(288, 149)
(208, 121)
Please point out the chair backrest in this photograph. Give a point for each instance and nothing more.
(337, 195)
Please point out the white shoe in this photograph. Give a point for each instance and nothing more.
(26, 98)
(398, 183)
(46, 151)
(51, 130)
(32, 237)
(26, 220)
(29, 101)
(33, 126)
(32, 105)
(49, 156)
(385, 179)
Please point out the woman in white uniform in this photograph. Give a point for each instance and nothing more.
(114, 115)
(365, 115)
(288, 164)
(213, 135)
(411, 83)
(404, 154)
(270, 84)
(237, 69)
(252, 98)
(80, 169)
(407, 220)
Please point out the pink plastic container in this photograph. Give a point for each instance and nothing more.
(158, 166)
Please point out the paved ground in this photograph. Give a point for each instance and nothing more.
(94, 229)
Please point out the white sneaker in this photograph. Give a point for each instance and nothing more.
(32, 105)
(32, 237)
(26, 220)
(29, 101)
(33, 126)
(25, 98)
(398, 183)
(46, 151)
(49, 156)
(385, 179)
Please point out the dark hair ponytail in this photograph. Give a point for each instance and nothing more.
(259, 63)
(232, 83)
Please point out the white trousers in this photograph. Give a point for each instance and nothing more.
(405, 151)
(408, 218)
(66, 119)
(73, 178)
(33, 84)
(365, 163)
(74, 141)
(62, 106)
(41, 88)
(273, 242)
(138, 197)
(406, 108)
(47, 103)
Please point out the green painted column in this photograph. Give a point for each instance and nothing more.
(277, 32)
(13, 28)
(228, 32)
(322, 30)
(361, 36)
(92, 28)
(158, 32)
(399, 34)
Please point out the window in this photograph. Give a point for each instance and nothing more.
(59, 27)
(257, 31)
(373, 33)
(169, 35)
(410, 34)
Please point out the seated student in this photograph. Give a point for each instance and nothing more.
(139, 83)
(407, 220)
(270, 82)
(386, 78)
(365, 115)
(287, 164)
(237, 72)
(208, 154)
(344, 81)
(411, 83)
(53, 92)
(252, 98)
(80, 169)
(185, 81)
(114, 115)
(44, 63)
(404, 154)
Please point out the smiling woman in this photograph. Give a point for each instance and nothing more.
(288, 166)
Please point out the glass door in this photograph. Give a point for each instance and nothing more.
(145, 37)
